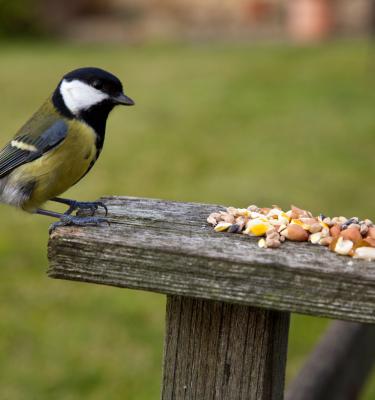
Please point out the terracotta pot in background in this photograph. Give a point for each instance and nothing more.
(310, 20)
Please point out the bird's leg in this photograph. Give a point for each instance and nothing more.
(67, 219)
(81, 205)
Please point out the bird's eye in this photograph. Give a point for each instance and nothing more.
(97, 84)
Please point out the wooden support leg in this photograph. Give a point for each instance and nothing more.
(223, 351)
(339, 365)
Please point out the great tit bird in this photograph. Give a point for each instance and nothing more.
(59, 144)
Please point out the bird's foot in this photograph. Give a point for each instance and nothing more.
(92, 206)
(74, 220)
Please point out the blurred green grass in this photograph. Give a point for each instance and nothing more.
(222, 123)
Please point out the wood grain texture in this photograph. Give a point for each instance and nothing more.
(223, 351)
(168, 247)
(339, 366)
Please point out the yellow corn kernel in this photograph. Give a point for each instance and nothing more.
(257, 227)
(222, 226)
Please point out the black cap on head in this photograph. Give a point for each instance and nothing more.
(98, 78)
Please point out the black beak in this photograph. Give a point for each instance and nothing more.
(123, 99)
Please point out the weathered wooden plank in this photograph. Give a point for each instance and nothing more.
(339, 365)
(217, 350)
(168, 247)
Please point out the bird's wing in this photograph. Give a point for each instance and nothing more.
(26, 147)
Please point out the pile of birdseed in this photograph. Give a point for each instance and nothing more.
(344, 236)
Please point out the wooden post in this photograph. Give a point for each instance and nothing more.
(215, 350)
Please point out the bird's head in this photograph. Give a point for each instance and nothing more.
(87, 90)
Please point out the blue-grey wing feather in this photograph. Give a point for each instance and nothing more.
(12, 157)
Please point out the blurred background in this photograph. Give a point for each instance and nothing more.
(237, 102)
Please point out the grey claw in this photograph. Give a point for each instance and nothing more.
(101, 204)
(67, 220)
(83, 205)
(54, 226)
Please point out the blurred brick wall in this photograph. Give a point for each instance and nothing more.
(134, 20)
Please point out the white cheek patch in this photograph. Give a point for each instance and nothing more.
(79, 96)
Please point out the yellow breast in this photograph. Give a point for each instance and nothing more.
(60, 168)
